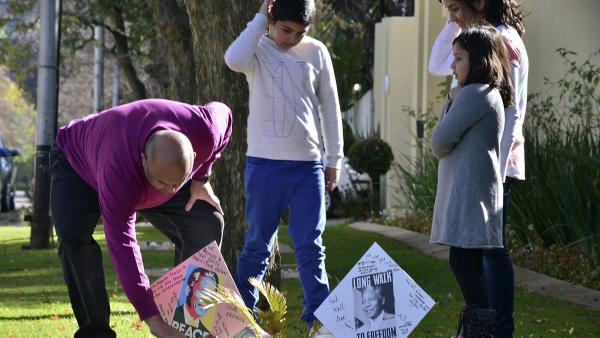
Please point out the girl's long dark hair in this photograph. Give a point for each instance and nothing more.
(504, 12)
(501, 12)
(488, 60)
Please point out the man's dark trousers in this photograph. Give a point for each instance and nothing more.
(76, 211)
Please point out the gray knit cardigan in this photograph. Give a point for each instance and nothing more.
(468, 202)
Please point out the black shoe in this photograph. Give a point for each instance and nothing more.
(463, 319)
(477, 323)
(485, 323)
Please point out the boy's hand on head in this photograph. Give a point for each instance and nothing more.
(332, 176)
(264, 8)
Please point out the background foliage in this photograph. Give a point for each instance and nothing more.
(555, 213)
(18, 125)
(560, 200)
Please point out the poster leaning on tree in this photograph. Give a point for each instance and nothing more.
(177, 296)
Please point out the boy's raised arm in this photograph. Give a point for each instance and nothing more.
(241, 54)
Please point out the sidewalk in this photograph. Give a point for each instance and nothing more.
(524, 279)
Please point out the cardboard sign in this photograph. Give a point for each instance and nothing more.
(376, 299)
(176, 296)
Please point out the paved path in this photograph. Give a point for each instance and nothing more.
(22, 200)
(524, 278)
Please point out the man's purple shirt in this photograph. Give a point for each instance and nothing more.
(106, 149)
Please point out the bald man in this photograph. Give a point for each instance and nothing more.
(150, 156)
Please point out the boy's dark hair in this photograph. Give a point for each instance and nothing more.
(501, 12)
(488, 60)
(300, 11)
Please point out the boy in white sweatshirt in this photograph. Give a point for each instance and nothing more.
(294, 143)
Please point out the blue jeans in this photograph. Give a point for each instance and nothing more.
(500, 277)
(270, 187)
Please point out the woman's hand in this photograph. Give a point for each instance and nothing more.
(453, 92)
(514, 156)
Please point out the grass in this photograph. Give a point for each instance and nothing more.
(536, 316)
(33, 296)
(34, 301)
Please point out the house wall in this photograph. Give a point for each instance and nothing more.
(402, 83)
(395, 90)
(552, 24)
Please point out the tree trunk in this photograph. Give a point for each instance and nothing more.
(138, 89)
(173, 32)
(214, 25)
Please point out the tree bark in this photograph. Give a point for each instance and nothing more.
(214, 25)
(173, 32)
(138, 89)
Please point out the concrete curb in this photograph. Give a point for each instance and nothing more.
(524, 279)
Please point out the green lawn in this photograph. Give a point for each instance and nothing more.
(34, 302)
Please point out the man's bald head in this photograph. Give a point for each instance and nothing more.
(168, 160)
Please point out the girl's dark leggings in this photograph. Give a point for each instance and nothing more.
(467, 266)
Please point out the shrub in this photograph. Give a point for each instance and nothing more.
(349, 138)
(354, 204)
(561, 198)
(372, 156)
(418, 183)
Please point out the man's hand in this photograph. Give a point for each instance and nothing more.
(160, 329)
(332, 176)
(203, 191)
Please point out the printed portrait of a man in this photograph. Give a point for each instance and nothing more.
(190, 313)
(374, 308)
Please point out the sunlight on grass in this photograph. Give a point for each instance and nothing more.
(34, 300)
(33, 297)
(536, 316)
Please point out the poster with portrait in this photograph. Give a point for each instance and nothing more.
(377, 298)
(176, 295)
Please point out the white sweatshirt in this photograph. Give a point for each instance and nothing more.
(294, 106)
(512, 144)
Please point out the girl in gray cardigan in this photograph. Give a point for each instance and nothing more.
(468, 204)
